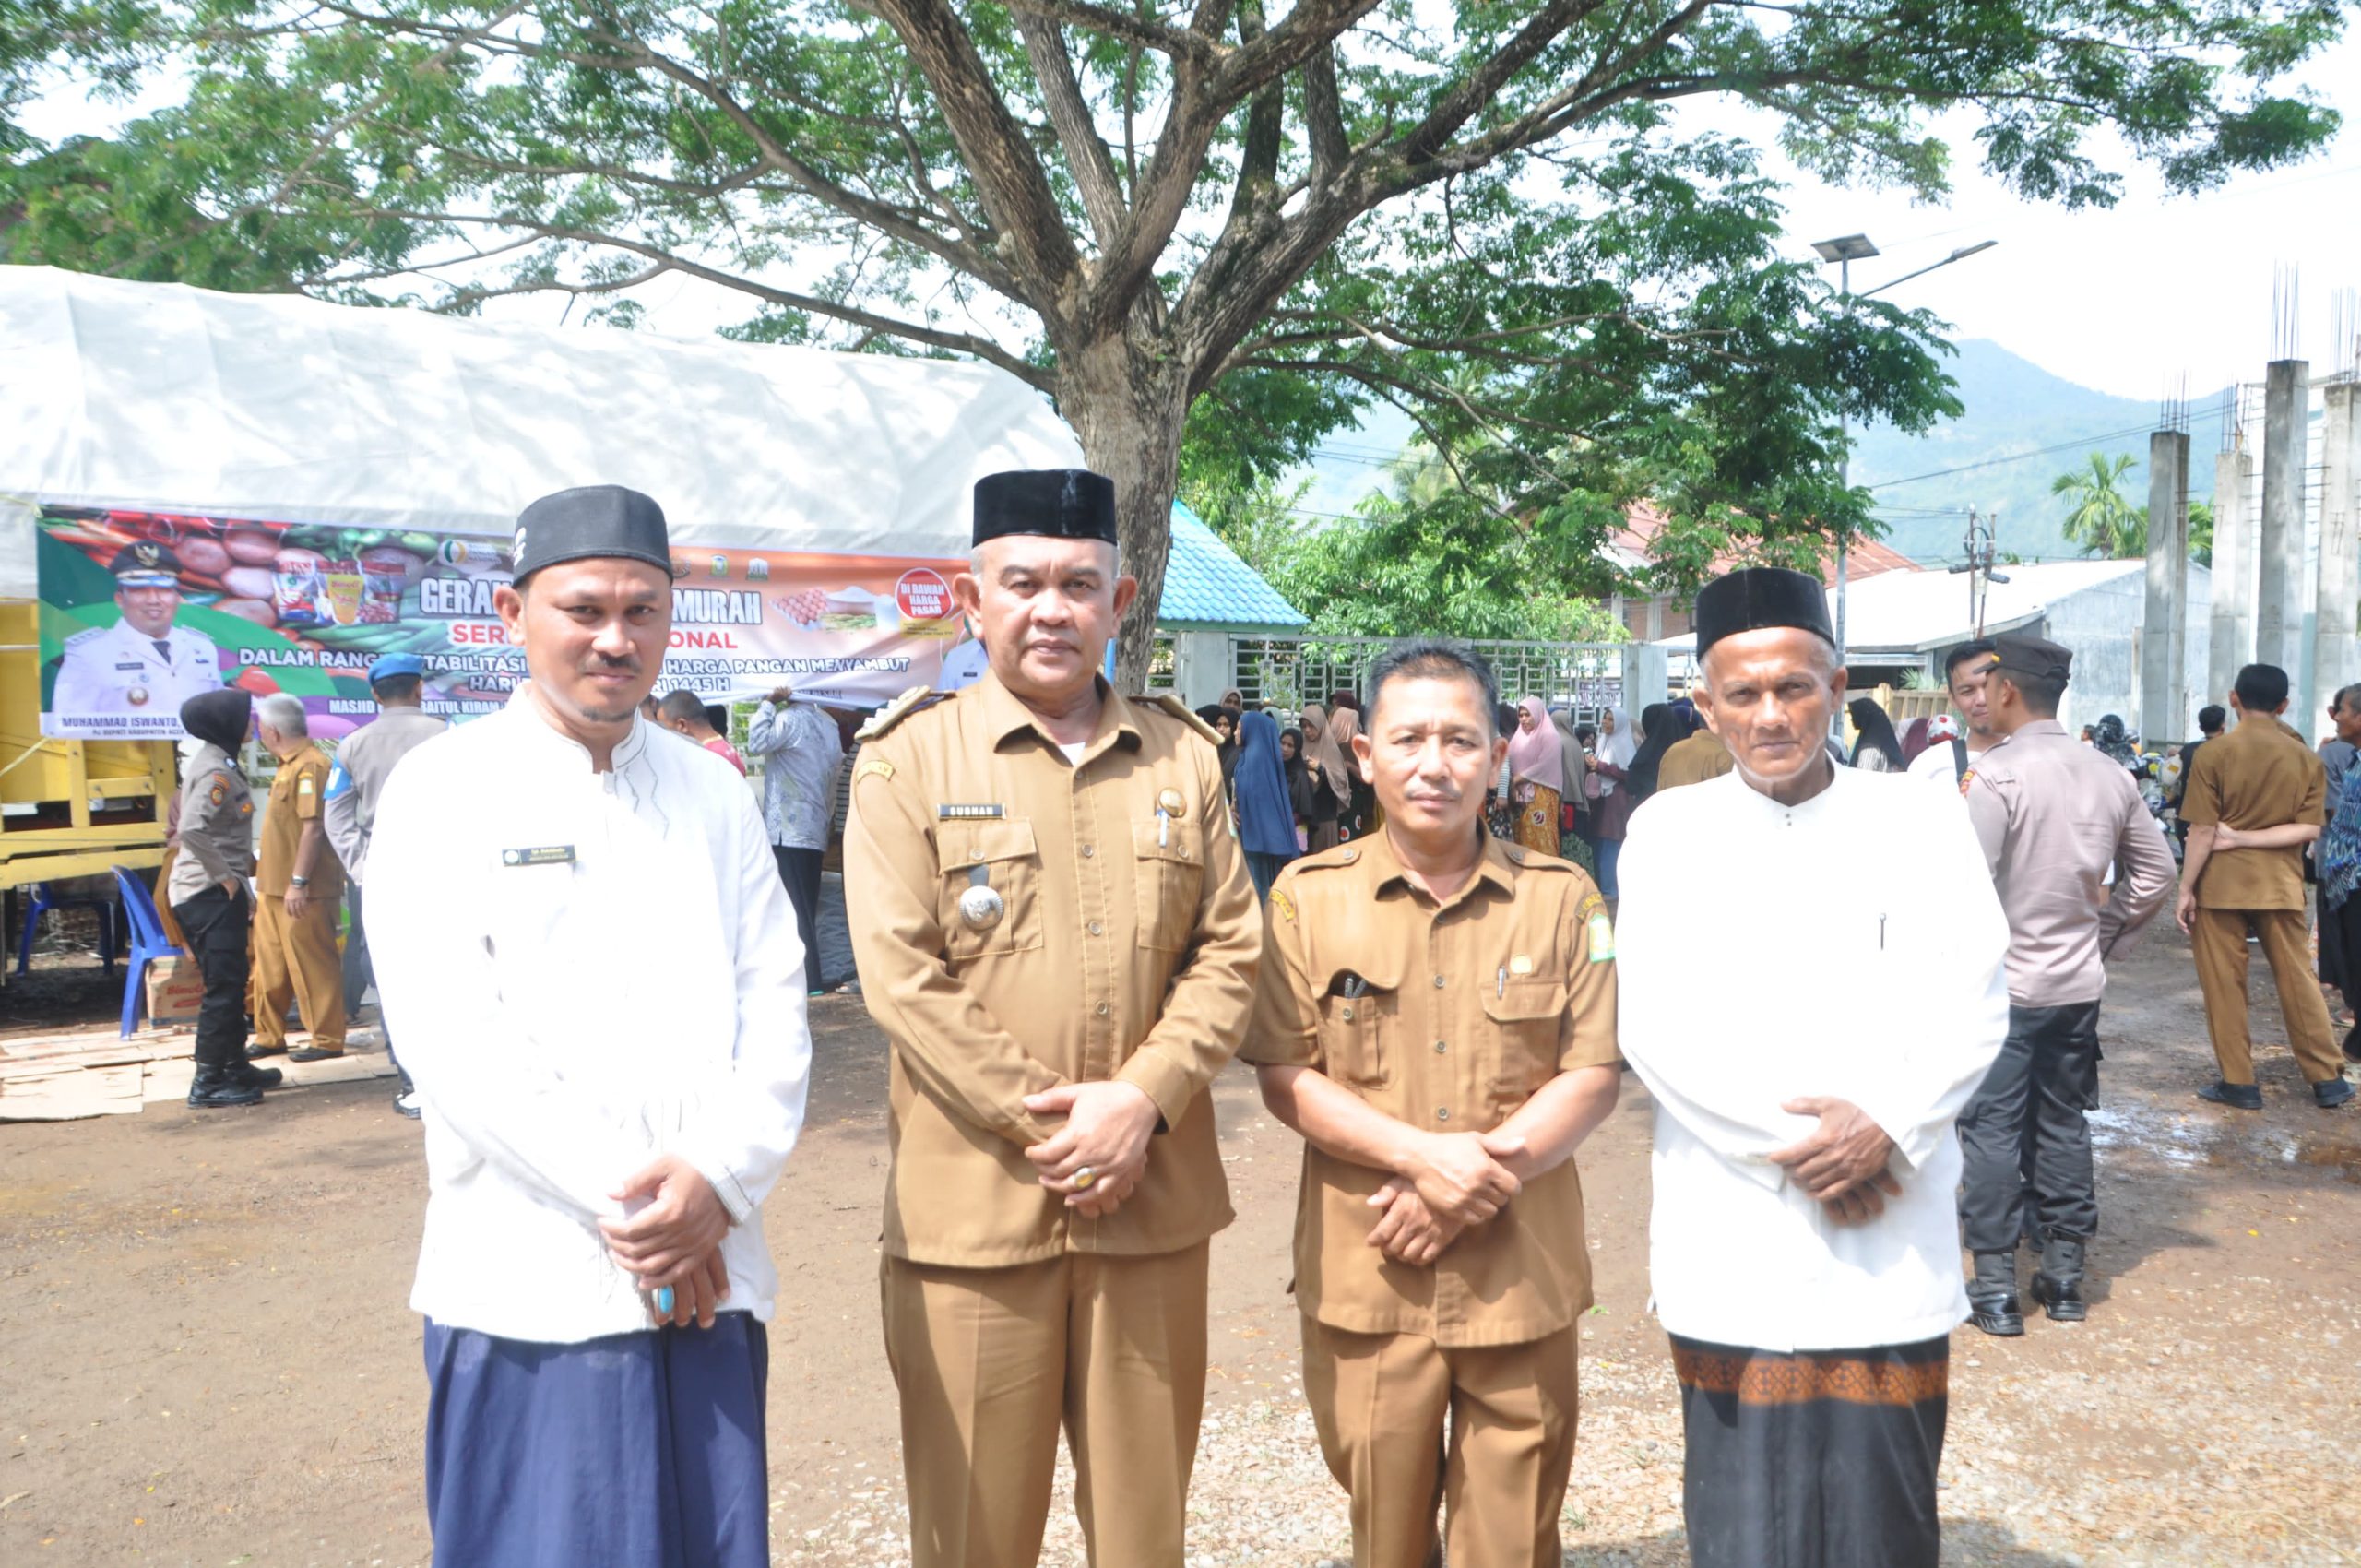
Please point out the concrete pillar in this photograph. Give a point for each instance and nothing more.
(1645, 674)
(2279, 564)
(2336, 649)
(1655, 619)
(1201, 667)
(2161, 650)
(2232, 623)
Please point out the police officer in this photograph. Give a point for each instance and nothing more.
(1436, 1015)
(356, 784)
(2052, 815)
(143, 664)
(2254, 798)
(299, 886)
(1055, 931)
(211, 894)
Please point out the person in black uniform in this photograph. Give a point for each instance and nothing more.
(212, 896)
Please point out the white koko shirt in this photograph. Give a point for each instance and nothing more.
(1848, 947)
(584, 970)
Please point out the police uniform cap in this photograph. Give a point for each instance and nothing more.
(394, 665)
(1058, 503)
(146, 564)
(595, 522)
(1756, 598)
(2036, 656)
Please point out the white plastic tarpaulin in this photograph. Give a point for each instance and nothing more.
(280, 408)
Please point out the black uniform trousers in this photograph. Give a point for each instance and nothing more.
(799, 869)
(216, 924)
(2045, 1078)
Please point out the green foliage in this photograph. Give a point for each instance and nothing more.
(2101, 519)
(2200, 533)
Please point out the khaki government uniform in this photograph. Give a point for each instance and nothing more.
(297, 958)
(1695, 760)
(1126, 948)
(2259, 775)
(1447, 1017)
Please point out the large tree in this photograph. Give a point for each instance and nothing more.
(1143, 207)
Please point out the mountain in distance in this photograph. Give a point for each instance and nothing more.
(2016, 412)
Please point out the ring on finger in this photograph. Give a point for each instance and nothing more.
(1083, 1178)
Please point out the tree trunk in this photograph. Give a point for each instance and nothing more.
(1128, 404)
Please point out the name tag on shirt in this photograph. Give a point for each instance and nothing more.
(954, 812)
(545, 855)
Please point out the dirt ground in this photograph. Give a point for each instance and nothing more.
(207, 1358)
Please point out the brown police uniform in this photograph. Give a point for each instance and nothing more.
(1024, 921)
(2259, 775)
(297, 958)
(1692, 760)
(1448, 1017)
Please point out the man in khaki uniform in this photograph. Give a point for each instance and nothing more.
(2252, 802)
(1055, 929)
(302, 884)
(1695, 760)
(1436, 1015)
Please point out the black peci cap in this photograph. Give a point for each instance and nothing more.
(596, 521)
(1060, 503)
(2036, 656)
(1755, 598)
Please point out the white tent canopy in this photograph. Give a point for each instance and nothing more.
(280, 408)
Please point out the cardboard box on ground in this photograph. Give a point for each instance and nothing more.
(175, 990)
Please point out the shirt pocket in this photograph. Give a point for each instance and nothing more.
(1009, 860)
(1361, 1028)
(526, 904)
(1168, 860)
(1528, 1018)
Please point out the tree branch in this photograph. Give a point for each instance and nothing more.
(1324, 112)
(1483, 84)
(1087, 156)
(1106, 21)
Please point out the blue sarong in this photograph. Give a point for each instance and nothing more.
(639, 1450)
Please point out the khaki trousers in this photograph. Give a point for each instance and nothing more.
(297, 959)
(991, 1362)
(2218, 937)
(1381, 1403)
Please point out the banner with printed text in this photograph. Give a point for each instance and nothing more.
(140, 610)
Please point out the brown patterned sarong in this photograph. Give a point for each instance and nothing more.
(1816, 1459)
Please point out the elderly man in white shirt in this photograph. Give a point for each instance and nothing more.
(1804, 1248)
(581, 937)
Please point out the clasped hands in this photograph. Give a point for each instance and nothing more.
(674, 1241)
(1454, 1181)
(1107, 1127)
(1842, 1162)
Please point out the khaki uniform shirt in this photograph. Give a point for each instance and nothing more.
(1695, 760)
(1126, 948)
(2052, 816)
(217, 826)
(2259, 775)
(295, 799)
(1446, 1017)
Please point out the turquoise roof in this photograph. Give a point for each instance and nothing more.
(1206, 584)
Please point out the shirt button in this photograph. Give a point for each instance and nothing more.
(1097, 929)
(1442, 1114)
(1101, 1009)
(1438, 982)
(1087, 851)
(1440, 1048)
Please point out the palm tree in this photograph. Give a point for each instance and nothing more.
(2103, 522)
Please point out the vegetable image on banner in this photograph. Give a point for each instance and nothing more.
(140, 610)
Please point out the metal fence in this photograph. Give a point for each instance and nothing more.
(1287, 673)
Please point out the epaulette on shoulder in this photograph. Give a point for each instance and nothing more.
(93, 635)
(1174, 706)
(901, 707)
(1328, 858)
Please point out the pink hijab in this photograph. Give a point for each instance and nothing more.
(1533, 754)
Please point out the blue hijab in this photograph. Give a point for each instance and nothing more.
(1266, 818)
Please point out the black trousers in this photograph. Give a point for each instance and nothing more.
(217, 926)
(2045, 1078)
(799, 869)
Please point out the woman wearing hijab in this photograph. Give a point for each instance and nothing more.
(1619, 747)
(1225, 724)
(1361, 798)
(1536, 776)
(211, 894)
(1574, 764)
(1660, 729)
(1331, 789)
(1301, 790)
(1265, 816)
(1878, 750)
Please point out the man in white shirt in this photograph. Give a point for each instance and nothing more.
(594, 1275)
(1948, 757)
(1804, 1245)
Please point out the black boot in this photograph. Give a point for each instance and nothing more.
(214, 1088)
(2058, 1284)
(248, 1075)
(1992, 1295)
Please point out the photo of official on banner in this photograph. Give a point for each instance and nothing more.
(140, 610)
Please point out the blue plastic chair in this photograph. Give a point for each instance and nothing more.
(45, 898)
(148, 942)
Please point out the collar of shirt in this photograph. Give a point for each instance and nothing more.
(2037, 727)
(544, 731)
(1004, 715)
(1758, 809)
(1380, 869)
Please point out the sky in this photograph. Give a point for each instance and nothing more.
(2157, 295)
